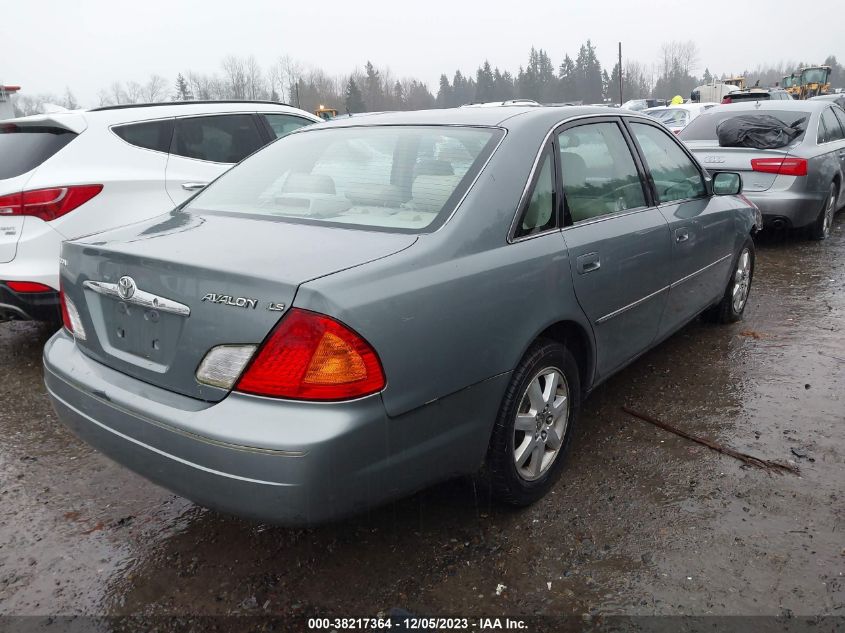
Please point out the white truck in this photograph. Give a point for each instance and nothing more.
(713, 92)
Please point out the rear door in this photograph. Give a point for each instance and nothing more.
(204, 147)
(702, 227)
(23, 147)
(839, 113)
(618, 242)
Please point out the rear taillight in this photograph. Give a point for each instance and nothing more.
(726, 100)
(781, 166)
(48, 204)
(70, 317)
(310, 356)
(27, 287)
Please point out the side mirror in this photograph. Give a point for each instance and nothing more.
(727, 183)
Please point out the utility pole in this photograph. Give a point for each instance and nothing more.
(620, 75)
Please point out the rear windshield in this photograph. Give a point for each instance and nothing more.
(394, 178)
(703, 128)
(670, 116)
(25, 148)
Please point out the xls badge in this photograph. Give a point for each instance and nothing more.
(241, 302)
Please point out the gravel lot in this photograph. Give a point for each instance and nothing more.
(643, 522)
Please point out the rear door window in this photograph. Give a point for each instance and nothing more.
(599, 173)
(840, 115)
(153, 135)
(675, 175)
(829, 128)
(22, 149)
(283, 124)
(227, 138)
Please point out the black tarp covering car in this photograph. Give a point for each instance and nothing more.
(760, 131)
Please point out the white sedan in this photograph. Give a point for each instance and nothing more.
(677, 117)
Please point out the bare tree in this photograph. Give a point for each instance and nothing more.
(234, 77)
(116, 93)
(134, 93)
(155, 89)
(255, 87)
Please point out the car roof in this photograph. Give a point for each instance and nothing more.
(127, 113)
(492, 116)
(771, 104)
(682, 106)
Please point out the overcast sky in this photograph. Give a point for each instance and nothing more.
(46, 45)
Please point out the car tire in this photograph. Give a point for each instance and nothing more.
(729, 309)
(820, 229)
(520, 472)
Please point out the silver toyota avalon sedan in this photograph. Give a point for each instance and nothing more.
(796, 186)
(372, 305)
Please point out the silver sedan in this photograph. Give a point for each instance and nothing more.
(796, 186)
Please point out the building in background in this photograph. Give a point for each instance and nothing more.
(7, 110)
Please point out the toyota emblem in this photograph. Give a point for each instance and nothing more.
(126, 287)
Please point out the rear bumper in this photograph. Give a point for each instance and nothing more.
(291, 463)
(26, 306)
(794, 209)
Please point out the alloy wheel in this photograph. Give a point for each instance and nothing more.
(742, 281)
(541, 423)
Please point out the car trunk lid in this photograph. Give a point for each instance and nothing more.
(198, 281)
(737, 159)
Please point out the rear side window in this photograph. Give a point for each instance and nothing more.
(829, 128)
(599, 173)
(218, 139)
(24, 148)
(539, 215)
(675, 175)
(154, 135)
(283, 124)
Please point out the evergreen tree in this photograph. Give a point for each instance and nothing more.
(444, 93)
(399, 96)
(183, 90)
(502, 86)
(485, 89)
(567, 84)
(354, 100)
(605, 84)
(612, 91)
(588, 82)
(707, 78)
(373, 93)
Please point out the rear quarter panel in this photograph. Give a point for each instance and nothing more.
(132, 179)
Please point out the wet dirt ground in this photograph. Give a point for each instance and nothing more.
(642, 522)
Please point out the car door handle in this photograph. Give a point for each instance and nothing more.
(193, 186)
(681, 235)
(587, 263)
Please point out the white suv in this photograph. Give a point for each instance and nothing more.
(70, 174)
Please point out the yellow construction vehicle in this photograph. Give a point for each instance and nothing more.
(325, 113)
(815, 80)
(739, 82)
(792, 84)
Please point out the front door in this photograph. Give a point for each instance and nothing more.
(618, 242)
(701, 226)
